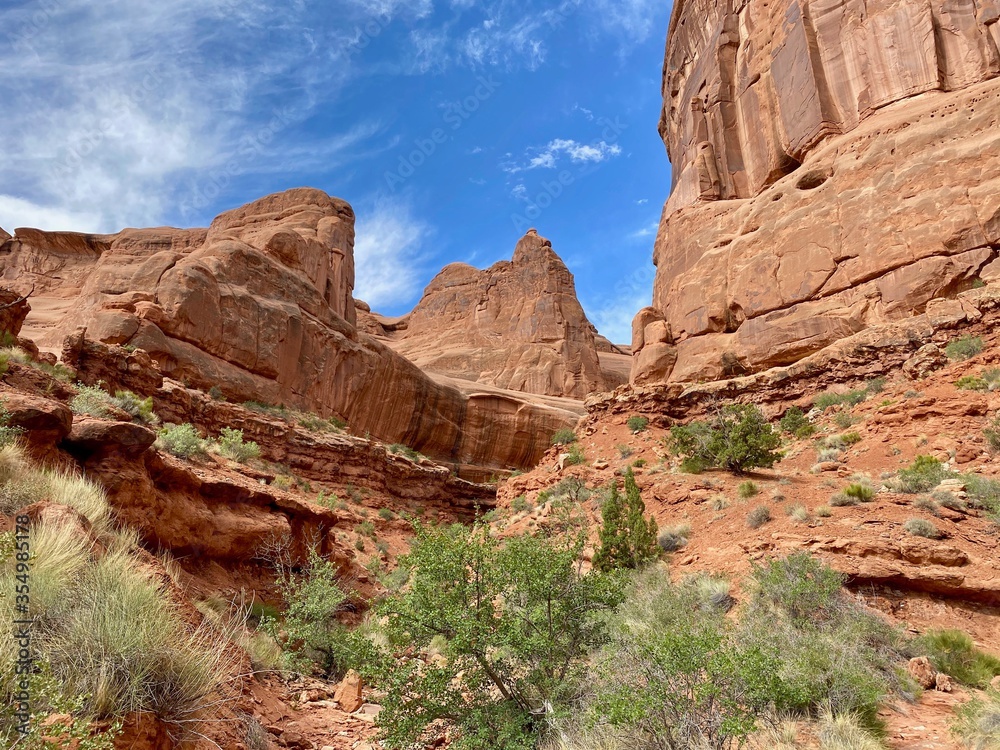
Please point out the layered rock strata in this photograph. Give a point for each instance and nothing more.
(836, 166)
(260, 305)
(517, 325)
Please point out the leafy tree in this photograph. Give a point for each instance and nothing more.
(518, 621)
(628, 538)
(737, 438)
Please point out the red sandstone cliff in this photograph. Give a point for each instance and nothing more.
(260, 304)
(836, 166)
(516, 325)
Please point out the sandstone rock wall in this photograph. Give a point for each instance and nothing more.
(836, 166)
(260, 304)
(517, 325)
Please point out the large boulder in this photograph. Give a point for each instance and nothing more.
(835, 166)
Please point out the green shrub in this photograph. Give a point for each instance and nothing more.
(795, 422)
(923, 475)
(984, 493)
(747, 489)
(310, 626)
(672, 539)
(846, 732)
(404, 450)
(624, 451)
(875, 385)
(824, 511)
(627, 537)
(922, 527)
(216, 394)
(232, 446)
(992, 435)
(8, 435)
(140, 409)
(758, 516)
(366, 528)
(181, 440)
(91, 400)
(842, 500)
(954, 653)
(833, 651)
(863, 493)
(843, 419)
(851, 438)
(978, 723)
(639, 463)
(737, 438)
(964, 347)
(520, 504)
(971, 383)
(674, 675)
(576, 456)
(638, 424)
(385, 514)
(852, 398)
(564, 436)
(926, 504)
(798, 513)
(109, 631)
(518, 622)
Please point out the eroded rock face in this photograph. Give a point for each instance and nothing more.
(836, 165)
(517, 325)
(260, 304)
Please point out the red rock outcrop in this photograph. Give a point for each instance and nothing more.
(260, 304)
(517, 325)
(836, 165)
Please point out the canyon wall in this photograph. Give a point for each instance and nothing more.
(517, 325)
(836, 165)
(260, 306)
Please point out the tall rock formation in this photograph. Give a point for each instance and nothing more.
(517, 325)
(836, 165)
(260, 304)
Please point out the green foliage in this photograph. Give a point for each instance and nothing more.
(564, 436)
(843, 500)
(366, 528)
(922, 527)
(91, 400)
(984, 493)
(404, 450)
(675, 675)
(232, 446)
(274, 410)
(638, 424)
(216, 394)
(310, 627)
(924, 474)
(875, 385)
(834, 652)
(861, 492)
(624, 450)
(672, 539)
(181, 440)
(576, 455)
(627, 537)
(851, 438)
(843, 419)
(795, 422)
(852, 398)
(747, 489)
(520, 504)
(992, 435)
(954, 653)
(737, 438)
(978, 722)
(964, 347)
(8, 435)
(758, 516)
(385, 514)
(517, 622)
(140, 409)
(971, 383)
(49, 696)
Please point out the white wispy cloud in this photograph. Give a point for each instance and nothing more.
(122, 112)
(631, 20)
(389, 254)
(548, 156)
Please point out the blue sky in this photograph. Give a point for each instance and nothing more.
(450, 125)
